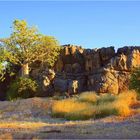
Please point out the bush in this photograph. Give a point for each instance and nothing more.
(90, 97)
(71, 109)
(103, 110)
(121, 108)
(127, 97)
(84, 108)
(135, 80)
(22, 88)
(105, 98)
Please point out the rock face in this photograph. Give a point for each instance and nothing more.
(101, 70)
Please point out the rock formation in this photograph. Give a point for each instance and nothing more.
(101, 70)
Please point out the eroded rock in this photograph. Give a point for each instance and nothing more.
(101, 70)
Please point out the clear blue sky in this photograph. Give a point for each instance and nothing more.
(90, 24)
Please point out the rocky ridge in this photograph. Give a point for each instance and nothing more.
(101, 70)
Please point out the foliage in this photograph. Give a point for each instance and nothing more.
(22, 88)
(88, 97)
(135, 80)
(26, 46)
(104, 105)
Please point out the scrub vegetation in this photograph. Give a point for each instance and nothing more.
(89, 105)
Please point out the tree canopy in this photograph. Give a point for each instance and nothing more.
(26, 46)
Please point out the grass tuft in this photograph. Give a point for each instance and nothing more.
(90, 97)
(69, 107)
(106, 98)
(89, 105)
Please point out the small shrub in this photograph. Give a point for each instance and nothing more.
(104, 110)
(90, 97)
(121, 108)
(84, 114)
(105, 98)
(22, 88)
(89, 105)
(135, 80)
(127, 97)
(71, 109)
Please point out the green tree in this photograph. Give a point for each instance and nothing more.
(26, 46)
(135, 80)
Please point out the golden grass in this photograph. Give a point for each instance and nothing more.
(103, 110)
(121, 108)
(71, 107)
(128, 97)
(84, 114)
(89, 105)
(88, 97)
(124, 101)
(106, 98)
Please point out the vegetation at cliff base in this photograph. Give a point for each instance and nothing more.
(101, 106)
(22, 88)
(135, 80)
(19, 52)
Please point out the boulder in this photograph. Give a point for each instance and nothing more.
(73, 87)
(127, 49)
(133, 59)
(123, 81)
(106, 82)
(76, 68)
(107, 53)
(60, 85)
(68, 68)
(119, 62)
(46, 86)
(51, 74)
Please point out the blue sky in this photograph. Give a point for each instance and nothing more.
(90, 24)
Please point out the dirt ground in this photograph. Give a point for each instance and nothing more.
(32, 122)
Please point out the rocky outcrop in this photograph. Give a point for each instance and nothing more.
(101, 70)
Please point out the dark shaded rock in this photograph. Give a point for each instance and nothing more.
(101, 70)
(105, 82)
(61, 85)
(106, 53)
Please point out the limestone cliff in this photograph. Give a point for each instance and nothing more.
(102, 70)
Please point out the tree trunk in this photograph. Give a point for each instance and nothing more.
(25, 70)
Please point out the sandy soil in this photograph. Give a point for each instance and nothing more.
(28, 119)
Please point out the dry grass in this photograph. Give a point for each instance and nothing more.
(70, 107)
(89, 105)
(121, 108)
(90, 97)
(22, 125)
(103, 110)
(124, 101)
(105, 98)
(128, 97)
